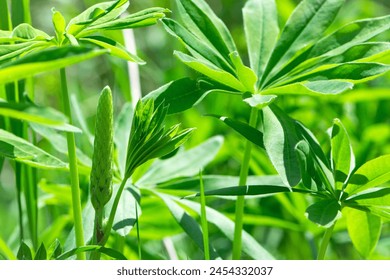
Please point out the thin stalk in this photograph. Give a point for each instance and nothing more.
(205, 229)
(325, 242)
(74, 176)
(240, 203)
(98, 232)
(138, 234)
(111, 218)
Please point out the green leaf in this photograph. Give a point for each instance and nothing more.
(343, 159)
(309, 20)
(249, 132)
(211, 71)
(42, 115)
(27, 32)
(102, 11)
(180, 95)
(122, 129)
(89, 248)
(260, 101)
(41, 254)
(324, 213)
(59, 25)
(58, 142)
(200, 19)
(114, 48)
(196, 46)
(20, 150)
(364, 230)
(371, 174)
(24, 252)
(141, 19)
(261, 32)
(249, 245)
(10, 51)
(314, 88)
(350, 35)
(188, 223)
(183, 164)
(248, 190)
(309, 170)
(246, 76)
(371, 197)
(45, 60)
(353, 72)
(55, 250)
(280, 139)
(125, 216)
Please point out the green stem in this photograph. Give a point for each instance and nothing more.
(325, 243)
(111, 218)
(240, 203)
(138, 234)
(74, 177)
(205, 229)
(5, 19)
(98, 232)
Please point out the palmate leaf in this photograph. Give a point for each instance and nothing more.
(261, 31)
(46, 60)
(198, 17)
(18, 149)
(196, 46)
(310, 19)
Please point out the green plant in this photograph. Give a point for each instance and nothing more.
(298, 62)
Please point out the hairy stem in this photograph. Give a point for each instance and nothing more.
(240, 203)
(98, 233)
(74, 176)
(325, 243)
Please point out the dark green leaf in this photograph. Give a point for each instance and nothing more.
(180, 95)
(24, 252)
(249, 132)
(41, 253)
(280, 139)
(324, 213)
(55, 250)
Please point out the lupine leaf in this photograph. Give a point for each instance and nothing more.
(364, 230)
(371, 174)
(308, 21)
(45, 60)
(324, 213)
(261, 31)
(18, 149)
(342, 156)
